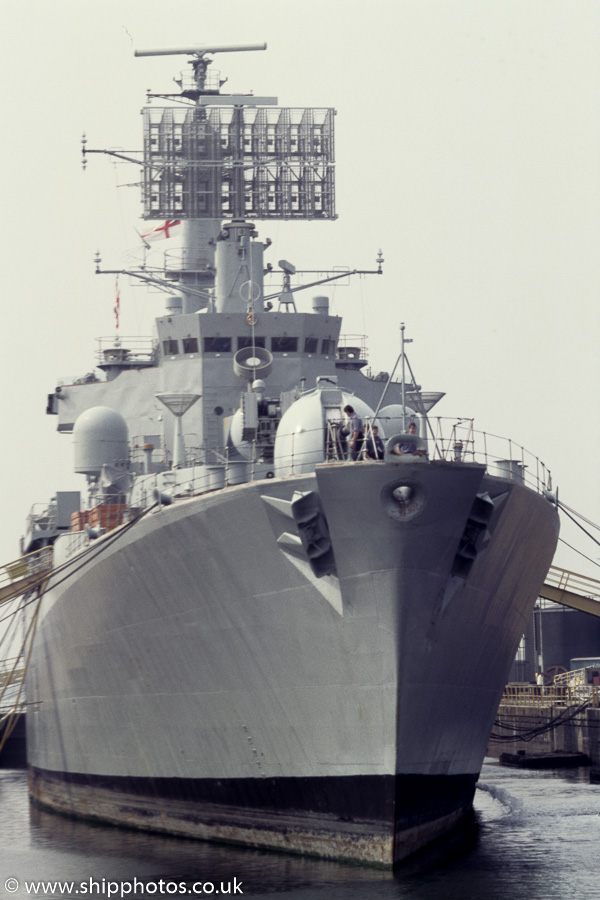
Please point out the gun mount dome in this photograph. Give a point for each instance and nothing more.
(310, 424)
(100, 438)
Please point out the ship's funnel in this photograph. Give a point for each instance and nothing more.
(178, 404)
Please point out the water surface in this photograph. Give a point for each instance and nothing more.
(537, 838)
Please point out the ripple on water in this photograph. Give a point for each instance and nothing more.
(537, 839)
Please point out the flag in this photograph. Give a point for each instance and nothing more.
(166, 230)
(117, 302)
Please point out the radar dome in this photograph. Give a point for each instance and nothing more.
(100, 438)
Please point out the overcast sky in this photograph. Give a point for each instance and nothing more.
(467, 148)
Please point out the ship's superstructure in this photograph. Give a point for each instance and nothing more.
(250, 636)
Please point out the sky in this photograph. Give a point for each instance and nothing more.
(467, 149)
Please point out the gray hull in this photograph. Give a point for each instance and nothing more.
(198, 678)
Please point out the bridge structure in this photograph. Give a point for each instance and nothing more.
(572, 590)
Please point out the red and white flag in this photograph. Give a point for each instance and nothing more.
(168, 229)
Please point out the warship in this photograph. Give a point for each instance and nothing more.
(263, 625)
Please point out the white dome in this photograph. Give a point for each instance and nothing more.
(100, 438)
(302, 432)
(236, 429)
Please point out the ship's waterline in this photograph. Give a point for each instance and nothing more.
(348, 821)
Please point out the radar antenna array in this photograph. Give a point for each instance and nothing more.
(200, 49)
(235, 156)
(232, 156)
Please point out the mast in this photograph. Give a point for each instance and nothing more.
(230, 158)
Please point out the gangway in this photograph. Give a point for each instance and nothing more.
(572, 590)
(24, 573)
(17, 578)
(11, 673)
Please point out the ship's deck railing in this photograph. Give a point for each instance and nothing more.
(576, 678)
(533, 695)
(458, 440)
(41, 517)
(154, 457)
(75, 540)
(573, 582)
(349, 343)
(126, 351)
(451, 441)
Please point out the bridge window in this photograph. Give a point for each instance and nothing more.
(328, 346)
(246, 341)
(284, 344)
(190, 345)
(217, 344)
(170, 348)
(311, 345)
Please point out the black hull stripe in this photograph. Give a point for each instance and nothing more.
(400, 801)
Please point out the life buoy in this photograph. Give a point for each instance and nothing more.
(251, 319)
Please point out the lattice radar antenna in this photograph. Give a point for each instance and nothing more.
(224, 157)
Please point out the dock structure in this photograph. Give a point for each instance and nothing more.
(558, 718)
(562, 718)
(558, 759)
(545, 724)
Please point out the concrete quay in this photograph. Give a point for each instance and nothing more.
(547, 728)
